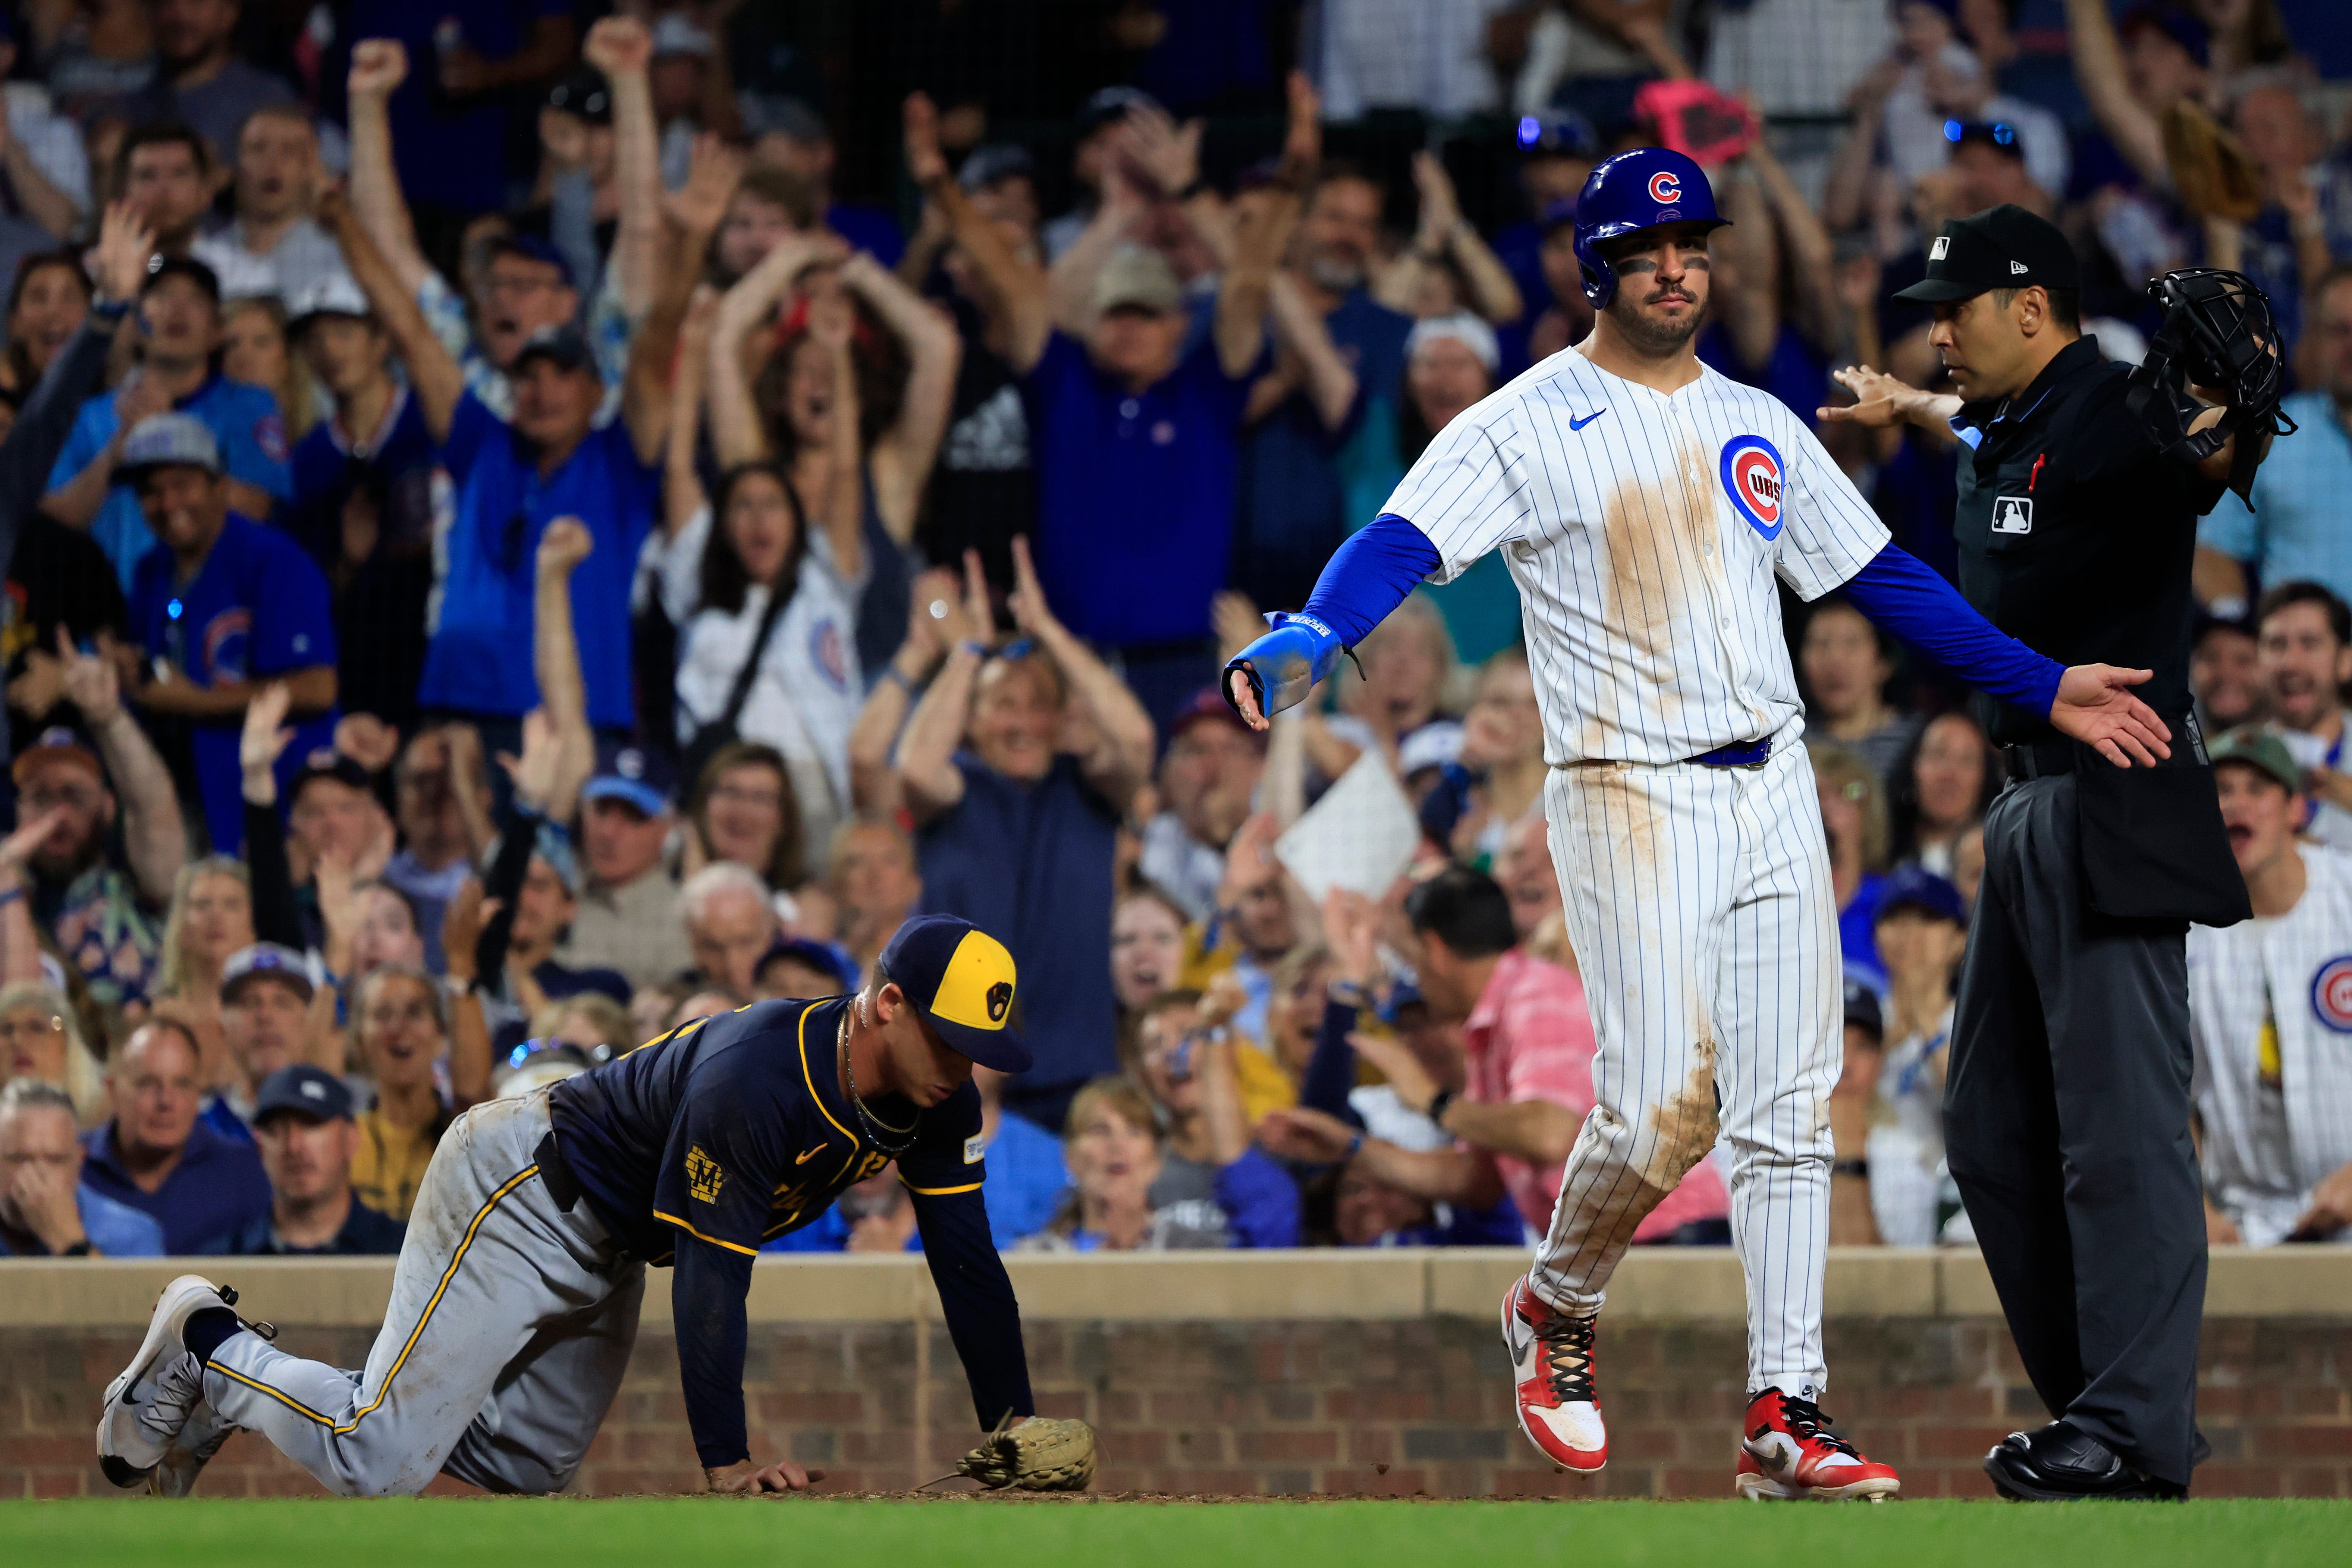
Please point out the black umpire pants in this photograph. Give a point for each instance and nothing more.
(2067, 1127)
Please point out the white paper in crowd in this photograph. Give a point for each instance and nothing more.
(1360, 835)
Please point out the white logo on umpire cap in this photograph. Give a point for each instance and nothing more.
(313, 1089)
(1941, 248)
(2017, 267)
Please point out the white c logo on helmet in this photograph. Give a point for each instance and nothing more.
(1664, 186)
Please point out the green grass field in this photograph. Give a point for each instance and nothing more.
(639, 1532)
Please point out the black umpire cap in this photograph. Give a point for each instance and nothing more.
(2001, 248)
(960, 979)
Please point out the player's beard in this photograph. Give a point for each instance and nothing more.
(1649, 336)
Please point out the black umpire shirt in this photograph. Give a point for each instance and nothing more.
(2075, 535)
(698, 1147)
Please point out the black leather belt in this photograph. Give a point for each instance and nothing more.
(556, 1175)
(2050, 758)
(2042, 760)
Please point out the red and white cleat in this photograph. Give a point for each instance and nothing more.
(1552, 1361)
(1789, 1452)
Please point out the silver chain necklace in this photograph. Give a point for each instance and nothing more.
(873, 1128)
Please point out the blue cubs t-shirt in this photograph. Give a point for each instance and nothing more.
(1135, 491)
(257, 607)
(480, 657)
(245, 421)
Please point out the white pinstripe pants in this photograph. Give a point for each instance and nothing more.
(1698, 901)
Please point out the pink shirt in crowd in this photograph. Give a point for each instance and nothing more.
(1531, 1038)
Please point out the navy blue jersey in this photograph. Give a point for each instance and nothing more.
(726, 1132)
(735, 1129)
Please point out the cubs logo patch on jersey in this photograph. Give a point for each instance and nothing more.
(2331, 993)
(1752, 477)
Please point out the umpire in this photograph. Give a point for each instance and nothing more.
(2066, 1102)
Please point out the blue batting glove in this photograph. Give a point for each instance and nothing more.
(1284, 664)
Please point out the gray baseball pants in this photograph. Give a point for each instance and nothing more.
(509, 1327)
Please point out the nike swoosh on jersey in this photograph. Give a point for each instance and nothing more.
(1576, 424)
(812, 1154)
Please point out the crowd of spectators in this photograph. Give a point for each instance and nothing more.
(527, 524)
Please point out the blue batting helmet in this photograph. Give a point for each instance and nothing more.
(1644, 188)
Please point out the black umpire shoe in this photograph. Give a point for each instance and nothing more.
(2062, 1463)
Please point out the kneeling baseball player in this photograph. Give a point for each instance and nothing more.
(514, 1307)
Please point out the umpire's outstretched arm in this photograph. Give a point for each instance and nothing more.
(976, 1298)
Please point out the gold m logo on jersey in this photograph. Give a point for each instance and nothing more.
(703, 1176)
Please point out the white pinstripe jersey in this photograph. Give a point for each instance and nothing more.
(1644, 530)
(2267, 1142)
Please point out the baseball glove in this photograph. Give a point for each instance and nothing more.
(1039, 1456)
(2210, 170)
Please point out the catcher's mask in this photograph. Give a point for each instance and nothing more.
(2219, 333)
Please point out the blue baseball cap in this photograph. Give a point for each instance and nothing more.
(1561, 133)
(961, 980)
(994, 161)
(267, 960)
(169, 440)
(635, 775)
(566, 347)
(534, 248)
(1917, 887)
(824, 957)
(306, 1090)
(1862, 1007)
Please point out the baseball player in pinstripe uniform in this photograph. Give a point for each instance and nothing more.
(1644, 505)
(2270, 1016)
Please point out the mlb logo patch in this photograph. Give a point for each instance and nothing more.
(1752, 477)
(2012, 515)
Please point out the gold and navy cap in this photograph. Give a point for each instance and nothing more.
(961, 980)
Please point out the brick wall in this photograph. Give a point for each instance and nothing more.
(1298, 1406)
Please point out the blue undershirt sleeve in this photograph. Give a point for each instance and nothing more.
(1899, 592)
(1369, 575)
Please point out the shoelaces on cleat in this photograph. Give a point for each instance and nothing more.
(1805, 1419)
(1567, 1357)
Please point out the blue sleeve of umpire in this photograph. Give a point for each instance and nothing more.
(976, 1298)
(707, 1295)
(1900, 593)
